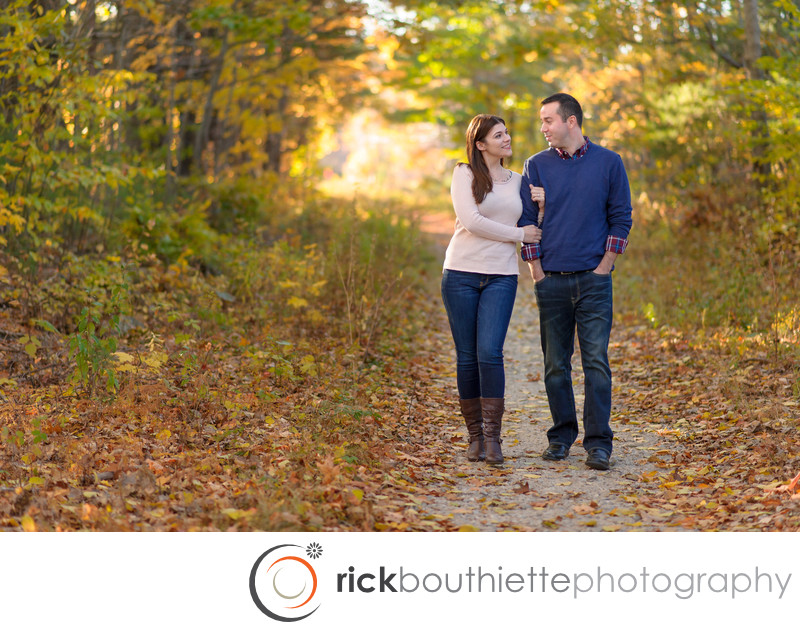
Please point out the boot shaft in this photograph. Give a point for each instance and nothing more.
(473, 417)
(492, 409)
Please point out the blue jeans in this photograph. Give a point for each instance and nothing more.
(479, 308)
(583, 300)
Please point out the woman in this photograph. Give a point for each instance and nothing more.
(479, 282)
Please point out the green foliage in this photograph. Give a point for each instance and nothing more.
(92, 354)
(58, 175)
(465, 58)
(25, 442)
(93, 345)
(693, 280)
(180, 138)
(135, 131)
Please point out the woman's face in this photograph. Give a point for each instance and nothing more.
(496, 143)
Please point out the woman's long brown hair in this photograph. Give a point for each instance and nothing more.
(479, 126)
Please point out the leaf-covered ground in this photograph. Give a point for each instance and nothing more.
(324, 442)
(249, 431)
(733, 404)
(693, 449)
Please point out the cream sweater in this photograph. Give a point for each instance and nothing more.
(486, 236)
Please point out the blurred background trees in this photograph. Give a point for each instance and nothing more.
(152, 128)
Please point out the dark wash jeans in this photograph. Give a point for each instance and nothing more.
(479, 308)
(583, 300)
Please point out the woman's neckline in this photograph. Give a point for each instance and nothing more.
(509, 177)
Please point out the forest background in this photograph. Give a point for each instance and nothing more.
(216, 298)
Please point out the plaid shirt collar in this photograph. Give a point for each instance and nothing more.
(564, 155)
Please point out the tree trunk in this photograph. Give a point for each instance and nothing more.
(208, 110)
(274, 141)
(752, 53)
(171, 161)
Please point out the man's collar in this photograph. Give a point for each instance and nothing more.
(564, 155)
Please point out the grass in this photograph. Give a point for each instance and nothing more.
(712, 284)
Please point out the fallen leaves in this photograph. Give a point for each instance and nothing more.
(234, 431)
(789, 487)
(264, 434)
(733, 423)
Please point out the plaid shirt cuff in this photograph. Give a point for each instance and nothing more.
(615, 244)
(531, 251)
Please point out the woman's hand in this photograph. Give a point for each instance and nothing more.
(537, 196)
(532, 234)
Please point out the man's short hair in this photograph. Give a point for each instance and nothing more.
(567, 106)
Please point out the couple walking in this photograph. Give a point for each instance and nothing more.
(570, 249)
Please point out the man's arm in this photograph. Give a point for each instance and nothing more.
(537, 273)
(619, 218)
(530, 210)
(606, 264)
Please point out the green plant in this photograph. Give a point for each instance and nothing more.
(93, 345)
(92, 349)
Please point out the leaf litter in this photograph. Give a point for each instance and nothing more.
(706, 440)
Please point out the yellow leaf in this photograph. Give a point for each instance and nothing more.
(164, 435)
(468, 528)
(297, 302)
(155, 360)
(307, 365)
(235, 514)
(124, 362)
(317, 287)
(28, 524)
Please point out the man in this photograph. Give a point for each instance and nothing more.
(585, 226)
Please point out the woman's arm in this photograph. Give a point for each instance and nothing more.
(470, 216)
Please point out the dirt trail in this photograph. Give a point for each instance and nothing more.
(529, 493)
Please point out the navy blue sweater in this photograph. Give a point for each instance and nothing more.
(586, 200)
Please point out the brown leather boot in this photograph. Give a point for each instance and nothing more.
(471, 410)
(492, 409)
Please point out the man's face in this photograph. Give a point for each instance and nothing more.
(555, 130)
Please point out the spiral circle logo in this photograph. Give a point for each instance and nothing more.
(283, 584)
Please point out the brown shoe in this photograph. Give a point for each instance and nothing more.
(492, 428)
(471, 410)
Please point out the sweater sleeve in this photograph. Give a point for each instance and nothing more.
(530, 210)
(619, 209)
(468, 212)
